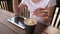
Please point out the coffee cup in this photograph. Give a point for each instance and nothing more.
(30, 25)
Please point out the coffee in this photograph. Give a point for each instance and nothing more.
(30, 21)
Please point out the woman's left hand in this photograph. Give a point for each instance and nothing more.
(42, 13)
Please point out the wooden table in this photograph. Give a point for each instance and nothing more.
(9, 28)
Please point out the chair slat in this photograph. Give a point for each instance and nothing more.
(4, 5)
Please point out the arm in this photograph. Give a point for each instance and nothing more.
(45, 15)
(17, 8)
(50, 11)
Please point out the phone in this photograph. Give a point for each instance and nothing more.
(18, 21)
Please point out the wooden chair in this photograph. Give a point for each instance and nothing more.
(26, 13)
(3, 5)
(55, 22)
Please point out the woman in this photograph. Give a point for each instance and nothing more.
(41, 10)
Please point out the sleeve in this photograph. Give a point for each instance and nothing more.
(51, 3)
(23, 2)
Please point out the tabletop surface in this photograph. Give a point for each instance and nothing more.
(9, 28)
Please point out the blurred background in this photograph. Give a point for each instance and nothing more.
(7, 4)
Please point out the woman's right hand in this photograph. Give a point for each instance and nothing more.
(41, 12)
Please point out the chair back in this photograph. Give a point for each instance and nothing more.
(56, 18)
(3, 5)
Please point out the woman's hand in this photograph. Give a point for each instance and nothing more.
(46, 19)
(42, 13)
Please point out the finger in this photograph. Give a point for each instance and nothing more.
(42, 15)
(45, 19)
(37, 12)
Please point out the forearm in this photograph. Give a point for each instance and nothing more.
(15, 6)
(50, 11)
(18, 8)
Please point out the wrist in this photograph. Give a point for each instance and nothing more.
(17, 15)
